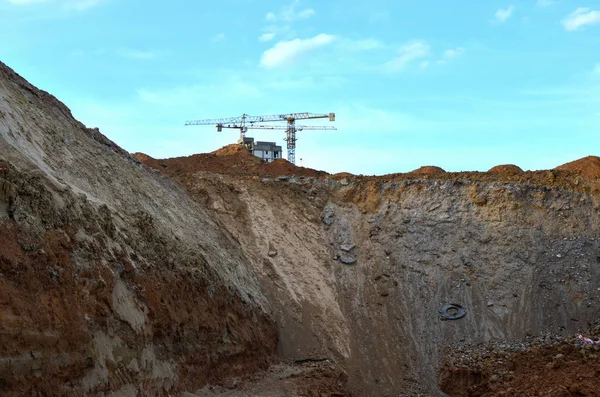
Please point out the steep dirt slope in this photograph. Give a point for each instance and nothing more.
(111, 278)
(358, 268)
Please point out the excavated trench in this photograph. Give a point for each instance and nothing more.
(220, 276)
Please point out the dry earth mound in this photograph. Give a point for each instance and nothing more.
(588, 167)
(506, 169)
(428, 170)
(232, 160)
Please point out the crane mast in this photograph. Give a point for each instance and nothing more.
(245, 122)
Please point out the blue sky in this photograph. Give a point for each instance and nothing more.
(464, 85)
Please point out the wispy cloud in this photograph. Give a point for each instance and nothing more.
(454, 52)
(450, 54)
(581, 17)
(266, 36)
(504, 14)
(597, 69)
(408, 53)
(545, 3)
(346, 45)
(218, 38)
(136, 54)
(290, 13)
(287, 52)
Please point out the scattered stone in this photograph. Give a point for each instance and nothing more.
(347, 260)
(344, 182)
(272, 254)
(347, 247)
(328, 214)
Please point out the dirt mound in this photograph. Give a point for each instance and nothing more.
(588, 167)
(232, 150)
(428, 170)
(230, 159)
(342, 175)
(284, 167)
(573, 372)
(506, 169)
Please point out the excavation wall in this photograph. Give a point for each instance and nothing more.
(521, 259)
(111, 278)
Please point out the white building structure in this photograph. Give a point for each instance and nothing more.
(268, 151)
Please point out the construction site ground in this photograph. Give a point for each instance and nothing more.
(219, 275)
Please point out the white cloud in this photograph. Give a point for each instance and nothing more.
(503, 14)
(137, 54)
(597, 69)
(408, 53)
(581, 17)
(218, 37)
(424, 64)
(309, 12)
(266, 36)
(545, 3)
(285, 52)
(453, 53)
(289, 13)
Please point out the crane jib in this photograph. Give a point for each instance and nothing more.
(290, 127)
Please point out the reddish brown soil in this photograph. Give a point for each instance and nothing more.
(342, 175)
(506, 169)
(231, 159)
(588, 167)
(428, 170)
(558, 370)
(51, 306)
(581, 175)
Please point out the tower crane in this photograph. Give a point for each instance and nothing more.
(244, 122)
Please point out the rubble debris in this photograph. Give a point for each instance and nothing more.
(452, 311)
(587, 341)
(272, 253)
(347, 247)
(328, 214)
(347, 260)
